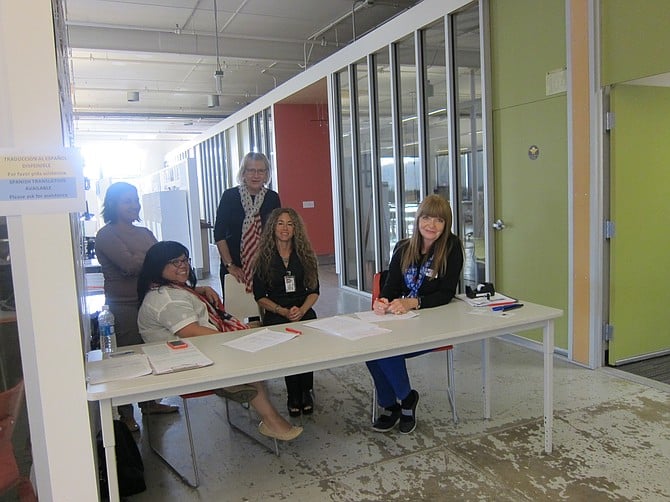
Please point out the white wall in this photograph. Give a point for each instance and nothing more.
(43, 266)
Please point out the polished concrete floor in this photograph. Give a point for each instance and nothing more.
(611, 437)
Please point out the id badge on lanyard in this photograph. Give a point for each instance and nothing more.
(289, 282)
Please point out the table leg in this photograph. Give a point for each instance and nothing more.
(486, 377)
(108, 441)
(548, 345)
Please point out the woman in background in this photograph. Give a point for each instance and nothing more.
(241, 214)
(286, 286)
(172, 307)
(120, 247)
(423, 273)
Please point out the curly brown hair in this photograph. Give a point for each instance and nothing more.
(301, 245)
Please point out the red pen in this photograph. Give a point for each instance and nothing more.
(291, 330)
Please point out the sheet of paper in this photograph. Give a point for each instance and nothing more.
(117, 368)
(370, 316)
(495, 300)
(260, 340)
(163, 359)
(347, 327)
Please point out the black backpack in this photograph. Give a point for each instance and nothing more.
(129, 465)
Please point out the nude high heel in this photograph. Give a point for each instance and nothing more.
(290, 434)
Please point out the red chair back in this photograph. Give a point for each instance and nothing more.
(10, 404)
(377, 284)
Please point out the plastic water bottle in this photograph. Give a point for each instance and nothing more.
(107, 334)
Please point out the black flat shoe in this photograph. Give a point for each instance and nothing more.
(307, 403)
(294, 407)
(388, 419)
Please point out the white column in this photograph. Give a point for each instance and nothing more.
(43, 265)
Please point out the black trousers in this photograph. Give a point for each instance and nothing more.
(296, 385)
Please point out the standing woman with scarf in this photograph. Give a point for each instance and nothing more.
(423, 273)
(241, 214)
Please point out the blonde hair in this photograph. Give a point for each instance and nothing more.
(249, 157)
(437, 207)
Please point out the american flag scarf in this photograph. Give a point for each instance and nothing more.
(251, 232)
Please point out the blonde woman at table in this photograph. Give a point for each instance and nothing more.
(120, 248)
(173, 308)
(423, 273)
(286, 286)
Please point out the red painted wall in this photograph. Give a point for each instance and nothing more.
(303, 169)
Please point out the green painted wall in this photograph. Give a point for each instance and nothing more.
(640, 178)
(635, 39)
(528, 40)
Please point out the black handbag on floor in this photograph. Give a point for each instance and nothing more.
(129, 465)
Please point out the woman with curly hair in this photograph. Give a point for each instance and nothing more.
(286, 286)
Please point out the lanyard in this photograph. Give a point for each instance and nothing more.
(414, 280)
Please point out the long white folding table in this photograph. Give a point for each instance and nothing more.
(315, 350)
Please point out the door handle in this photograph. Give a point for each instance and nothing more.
(498, 225)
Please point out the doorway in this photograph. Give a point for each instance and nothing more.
(639, 208)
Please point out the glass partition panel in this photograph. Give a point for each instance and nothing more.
(15, 418)
(469, 141)
(409, 133)
(388, 224)
(437, 118)
(365, 175)
(270, 152)
(347, 183)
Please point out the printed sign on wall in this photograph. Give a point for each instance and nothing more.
(44, 182)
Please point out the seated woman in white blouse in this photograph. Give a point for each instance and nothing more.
(172, 307)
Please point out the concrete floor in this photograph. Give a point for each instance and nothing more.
(611, 437)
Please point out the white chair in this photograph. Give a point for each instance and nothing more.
(238, 302)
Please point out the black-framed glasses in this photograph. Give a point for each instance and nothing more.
(179, 262)
(254, 172)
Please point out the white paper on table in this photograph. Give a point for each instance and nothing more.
(163, 359)
(347, 327)
(117, 368)
(370, 316)
(260, 340)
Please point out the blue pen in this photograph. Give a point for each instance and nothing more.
(505, 308)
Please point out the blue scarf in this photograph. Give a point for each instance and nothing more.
(414, 280)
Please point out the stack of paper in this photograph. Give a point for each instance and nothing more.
(117, 368)
(164, 359)
(482, 301)
(347, 327)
